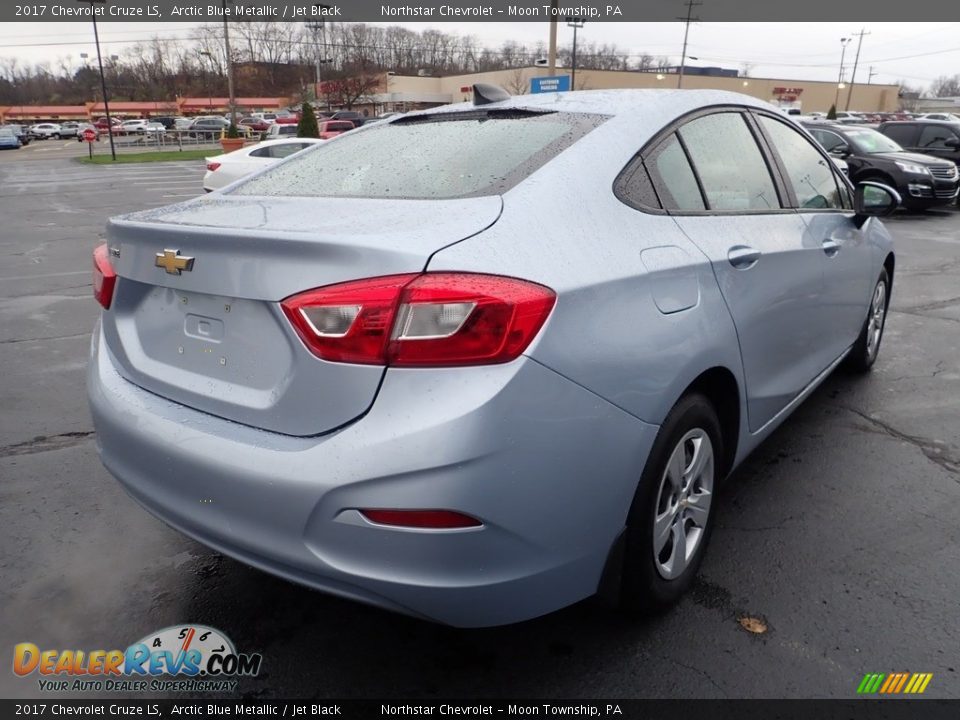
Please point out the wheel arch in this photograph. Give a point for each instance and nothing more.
(889, 263)
(719, 385)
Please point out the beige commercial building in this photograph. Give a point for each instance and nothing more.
(401, 92)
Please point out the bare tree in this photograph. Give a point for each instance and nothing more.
(644, 62)
(945, 86)
(516, 83)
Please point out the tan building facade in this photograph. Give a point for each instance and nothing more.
(406, 92)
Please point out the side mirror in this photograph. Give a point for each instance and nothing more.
(952, 143)
(873, 199)
(841, 151)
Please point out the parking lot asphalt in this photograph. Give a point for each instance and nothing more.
(840, 533)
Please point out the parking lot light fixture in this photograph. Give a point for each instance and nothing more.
(103, 80)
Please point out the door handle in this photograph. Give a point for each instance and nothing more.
(743, 257)
(831, 247)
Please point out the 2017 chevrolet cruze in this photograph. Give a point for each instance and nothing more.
(474, 363)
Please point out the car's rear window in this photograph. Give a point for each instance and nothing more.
(339, 126)
(452, 155)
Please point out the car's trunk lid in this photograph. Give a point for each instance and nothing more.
(214, 338)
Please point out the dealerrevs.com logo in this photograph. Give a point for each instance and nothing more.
(199, 658)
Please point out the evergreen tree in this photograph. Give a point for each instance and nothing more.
(307, 127)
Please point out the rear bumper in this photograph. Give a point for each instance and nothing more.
(548, 467)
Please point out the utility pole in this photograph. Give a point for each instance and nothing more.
(853, 77)
(871, 74)
(691, 4)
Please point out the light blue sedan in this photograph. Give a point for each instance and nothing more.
(8, 139)
(480, 362)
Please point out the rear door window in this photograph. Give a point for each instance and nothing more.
(732, 170)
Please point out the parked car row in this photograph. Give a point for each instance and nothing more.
(923, 180)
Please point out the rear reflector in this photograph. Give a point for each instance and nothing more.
(435, 519)
(104, 277)
(211, 166)
(429, 319)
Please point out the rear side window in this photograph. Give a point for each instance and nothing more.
(901, 134)
(673, 177)
(728, 161)
(440, 156)
(810, 173)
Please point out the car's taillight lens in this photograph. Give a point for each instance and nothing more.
(211, 166)
(421, 319)
(104, 277)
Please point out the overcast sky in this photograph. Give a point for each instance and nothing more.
(917, 52)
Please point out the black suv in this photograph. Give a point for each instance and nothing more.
(923, 181)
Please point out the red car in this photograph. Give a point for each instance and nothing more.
(102, 125)
(255, 124)
(332, 128)
(287, 119)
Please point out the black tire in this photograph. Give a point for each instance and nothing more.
(644, 587)
(864, 353)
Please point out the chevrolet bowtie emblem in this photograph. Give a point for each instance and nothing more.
(173, 262)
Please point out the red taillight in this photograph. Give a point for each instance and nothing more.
(104, 277)
(439, 319)
(435, 519)
(211, 166)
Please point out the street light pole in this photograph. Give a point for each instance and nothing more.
(843, 54)
(575, 23)
(226, 45)
(103, 80)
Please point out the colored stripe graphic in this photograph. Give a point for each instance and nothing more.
(894, 683)
(903, 681)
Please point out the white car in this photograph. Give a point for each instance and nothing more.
(943, 117)
(44, 131)
(276, 131)
(133, 126)
(225, 169)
